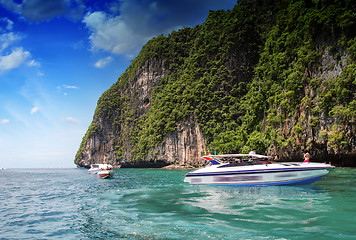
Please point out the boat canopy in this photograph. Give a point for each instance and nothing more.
(100, 165)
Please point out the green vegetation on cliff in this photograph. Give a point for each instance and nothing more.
(250, 76)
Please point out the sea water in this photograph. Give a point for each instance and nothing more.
(157, 204)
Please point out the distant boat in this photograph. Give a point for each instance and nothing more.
(102, 170)
(255, 170)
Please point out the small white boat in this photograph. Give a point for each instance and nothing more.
(102, 170)
(255, 170)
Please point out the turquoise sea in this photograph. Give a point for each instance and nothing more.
(157, 204)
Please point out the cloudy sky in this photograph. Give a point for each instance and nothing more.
(57, 57)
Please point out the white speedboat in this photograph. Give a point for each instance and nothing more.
(255, 170)
(102, 170)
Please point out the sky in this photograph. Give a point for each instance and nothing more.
(56, 59)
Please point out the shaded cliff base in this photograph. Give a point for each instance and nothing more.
(141, 164)
(343, 160)
(339, 160)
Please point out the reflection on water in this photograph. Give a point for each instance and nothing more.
(272, 206)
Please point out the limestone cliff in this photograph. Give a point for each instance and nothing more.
(278, 76)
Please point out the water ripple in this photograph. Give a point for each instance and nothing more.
(156, 204)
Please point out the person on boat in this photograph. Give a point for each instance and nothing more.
(306, 157)
(253, 152)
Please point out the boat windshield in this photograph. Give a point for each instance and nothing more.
(232, 162)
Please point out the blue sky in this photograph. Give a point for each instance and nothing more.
(56, 59)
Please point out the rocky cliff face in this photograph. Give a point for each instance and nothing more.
(327, 138)
(182, 148)
(100, 146)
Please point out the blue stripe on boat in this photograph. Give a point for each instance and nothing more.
(259, 171)
(292, 182)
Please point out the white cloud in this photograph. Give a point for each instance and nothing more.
(132, 23)
(64, 86)
(4, 121)
(6, 39)
(14, 59)
(33, 63)
(34, 110)
(112, 34)
(70, 87)
(72, 120)
(8, 24)
(101, 63)
(10, 59)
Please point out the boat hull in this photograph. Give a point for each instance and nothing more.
(105, 174)
(262, 175)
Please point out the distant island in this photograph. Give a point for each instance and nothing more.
(275, 76)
